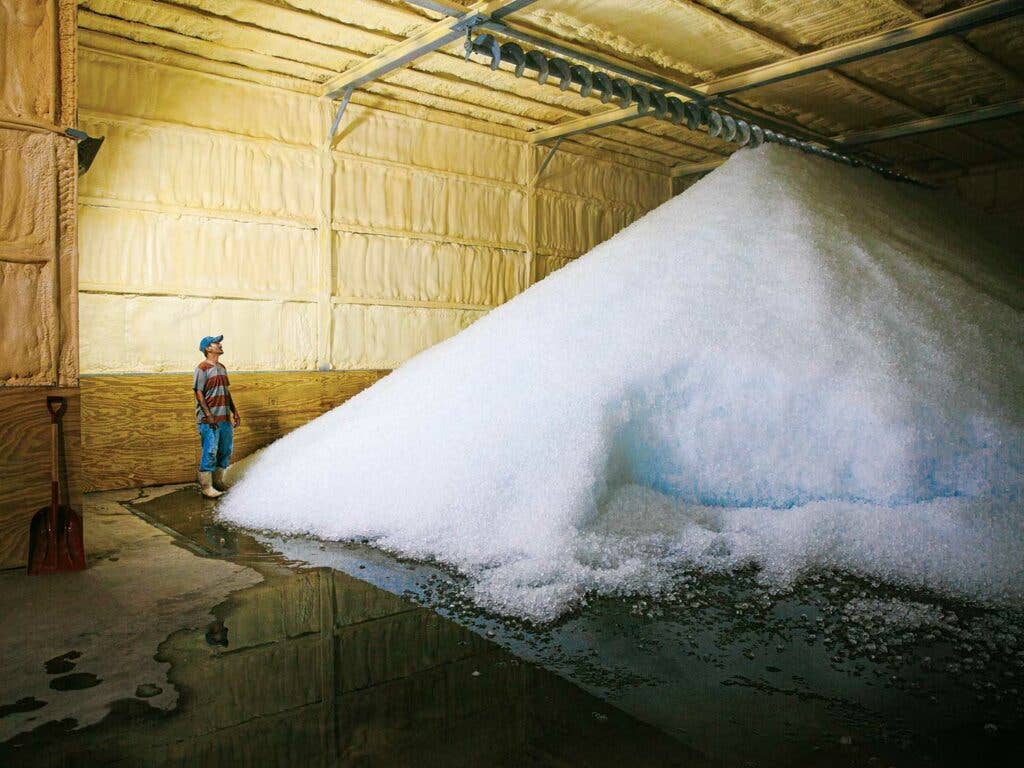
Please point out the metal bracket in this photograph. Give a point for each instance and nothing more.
(87, 148)
(547, 159)
(341, 111)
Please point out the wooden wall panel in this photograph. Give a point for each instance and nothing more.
(141, 430)
(25, 463)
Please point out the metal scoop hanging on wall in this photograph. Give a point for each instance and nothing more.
(56, 540)
(88, 146)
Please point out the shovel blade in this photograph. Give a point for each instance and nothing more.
(53, 550)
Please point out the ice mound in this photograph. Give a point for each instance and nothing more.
(794, 364)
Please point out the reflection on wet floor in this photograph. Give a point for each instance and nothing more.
(313, 666)
(304, 662)
(838, 671)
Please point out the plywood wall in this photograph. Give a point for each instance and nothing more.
(38, 257)
(215, 206)
(117, 453)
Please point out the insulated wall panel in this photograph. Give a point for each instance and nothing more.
(261, 335)
(570, 226)
(125, 250)
(371, 197)
(166, 165)
(160, 333)
(26, 312)
(419, 144)
(610, 182)
(548, 264)
(104, 319)
(123, 86)
(384, 337)
(371, 267)
(206, 208)
(28, 259)
(581, 202)
(29, 80)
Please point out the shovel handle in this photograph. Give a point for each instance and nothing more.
(56, 405)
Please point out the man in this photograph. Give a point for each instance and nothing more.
(216, 415)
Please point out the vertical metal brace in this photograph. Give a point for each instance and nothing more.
(341, 111)
(547, 159)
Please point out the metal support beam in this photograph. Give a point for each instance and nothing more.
(583, 125)
(566, 51)
(340, 112)
(435, 36)
(573, 53)
(918, 32)
(690, 169)
(547, 159)
(928, 124)
(509, 8)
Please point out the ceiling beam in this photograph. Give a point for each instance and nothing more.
(583, 125)
(690, 169)
(574, 53)
(437, 35)
(990, 11)
(914, 33)
(927, 124)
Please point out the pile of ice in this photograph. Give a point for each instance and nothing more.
(794, 364)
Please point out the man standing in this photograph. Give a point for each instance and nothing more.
(216, 415)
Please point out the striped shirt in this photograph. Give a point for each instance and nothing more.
(212, 380)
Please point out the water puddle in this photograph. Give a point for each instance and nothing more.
(61, 664)
(315, 666)
(76, 681)
(346, 655)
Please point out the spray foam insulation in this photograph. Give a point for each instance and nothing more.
(38, 267)
(215, 187)
(204, 213)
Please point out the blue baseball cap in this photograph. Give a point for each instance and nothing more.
(208, 340)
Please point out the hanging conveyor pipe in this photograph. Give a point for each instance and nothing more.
(696, 113)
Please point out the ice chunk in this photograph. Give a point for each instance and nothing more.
(794, 364)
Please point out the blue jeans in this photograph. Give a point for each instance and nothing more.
(218, 441)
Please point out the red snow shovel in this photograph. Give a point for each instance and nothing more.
(55, 538)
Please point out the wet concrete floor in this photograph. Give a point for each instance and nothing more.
(189, 643)
(192, 642)
(836, 671)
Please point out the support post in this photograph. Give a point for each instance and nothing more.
(325, 246)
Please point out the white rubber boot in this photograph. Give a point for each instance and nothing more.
(219, 480)
(206, 486)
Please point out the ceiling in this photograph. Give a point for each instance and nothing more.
(301, 44)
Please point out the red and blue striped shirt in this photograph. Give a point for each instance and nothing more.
(212, 380)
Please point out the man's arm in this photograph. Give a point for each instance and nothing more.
(202, 404)
(231, 405)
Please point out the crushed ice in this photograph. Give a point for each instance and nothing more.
(793, 365)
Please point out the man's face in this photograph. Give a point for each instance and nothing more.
(216, 348)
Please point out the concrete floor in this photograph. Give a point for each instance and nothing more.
(187, 643)
(139, 588)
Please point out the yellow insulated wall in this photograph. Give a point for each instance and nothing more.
(215, 207)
